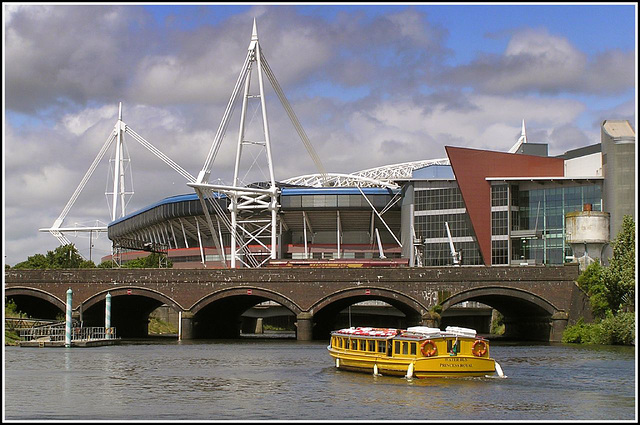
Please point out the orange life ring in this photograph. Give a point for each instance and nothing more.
(426, 351)
(479, 351)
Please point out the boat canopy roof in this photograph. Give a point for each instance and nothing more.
(414, 332)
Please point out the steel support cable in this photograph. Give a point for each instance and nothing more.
(213, 152)
(86, 177)
(292, 116)
(379, 216)
(391, 203)
(160, 155)
(214, 236)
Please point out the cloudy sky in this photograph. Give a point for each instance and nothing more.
(371, 84)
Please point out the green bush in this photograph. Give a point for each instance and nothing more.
(617, 329)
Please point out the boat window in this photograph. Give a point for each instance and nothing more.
(354, 344)
(362, 345)
(405, 348)
(396, 348)
(413, 348)
(371, 345)
(381, 347)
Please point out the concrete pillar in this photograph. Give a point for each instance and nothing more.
(304, 326)
(259, 329)
(431, 320)
(186, 325)
(559, 321)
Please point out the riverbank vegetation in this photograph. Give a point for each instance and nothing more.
(68, 257)
(158, 326)
(11, 336)
(611, 292)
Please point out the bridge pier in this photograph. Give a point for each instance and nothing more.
(186, 325)
(559, 322)
(304, 325)
(431, 320)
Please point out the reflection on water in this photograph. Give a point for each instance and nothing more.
(291, 380)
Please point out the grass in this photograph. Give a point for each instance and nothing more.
(160, 327)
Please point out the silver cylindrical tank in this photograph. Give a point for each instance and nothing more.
(587, 227)
(587, 232)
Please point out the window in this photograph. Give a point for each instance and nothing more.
(371, 346)
(499, 195)
(438, 199)
(413, 346)
(405, 347)
(396, 347)
(499, 252)
(499, 222)
(381, 347)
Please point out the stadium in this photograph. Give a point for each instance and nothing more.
(475, 207)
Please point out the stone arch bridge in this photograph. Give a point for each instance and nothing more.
(537, 302)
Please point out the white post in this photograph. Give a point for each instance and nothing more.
(107, 316)
(67, 334)
(304, 227)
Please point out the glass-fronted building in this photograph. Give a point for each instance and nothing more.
(519, 217)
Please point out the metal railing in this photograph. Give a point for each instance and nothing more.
(58, 333)
(23, 323)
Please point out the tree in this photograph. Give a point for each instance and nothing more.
(151, 261)
(619, 278)
(612, 289)
(591, 282)
(63, 257)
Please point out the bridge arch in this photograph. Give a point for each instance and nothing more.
(326, 310)
(128, 291)
(245, 291)
(220, 314)
(131, 307)
(526, 315)
(36, 302)
(500, 295)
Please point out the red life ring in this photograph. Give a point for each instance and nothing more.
(481, 350)
(428, 352)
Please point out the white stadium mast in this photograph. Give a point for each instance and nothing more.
(119, 192)
(245, 226)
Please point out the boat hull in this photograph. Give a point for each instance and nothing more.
(437, 366)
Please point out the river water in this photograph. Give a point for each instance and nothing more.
(293, 380)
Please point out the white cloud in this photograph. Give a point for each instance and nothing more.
(81, 121)
(536, 61)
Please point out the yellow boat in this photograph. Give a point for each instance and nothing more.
(418, 351)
